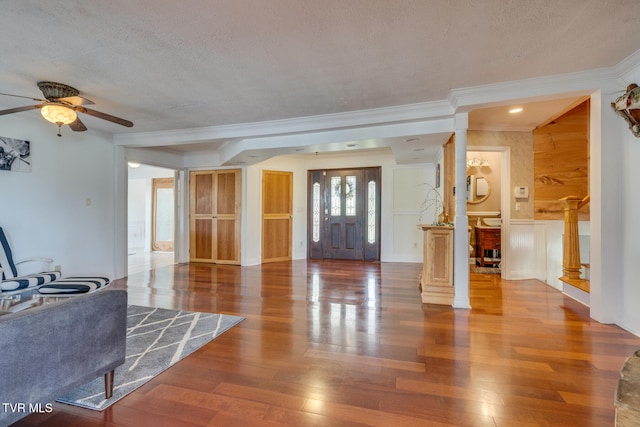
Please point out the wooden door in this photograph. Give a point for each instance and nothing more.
(215, 208)
(162, 214)
(343, 223)
(277, 215)
(344, 213)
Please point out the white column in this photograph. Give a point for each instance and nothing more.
(606, 187)
(121, 183)
(461, 227)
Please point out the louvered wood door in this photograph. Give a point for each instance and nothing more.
(215, 206)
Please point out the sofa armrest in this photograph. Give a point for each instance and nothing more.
(53, 348)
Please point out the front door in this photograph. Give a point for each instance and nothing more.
(344, 218)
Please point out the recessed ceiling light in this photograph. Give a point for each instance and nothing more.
(299, 149)
(412, 140)
(516, 110)
(252, 156)
(352, 145)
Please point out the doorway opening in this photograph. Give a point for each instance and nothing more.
(151, 218)
(344, 213)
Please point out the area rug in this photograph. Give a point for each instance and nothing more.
(485, 270)
(157, 338)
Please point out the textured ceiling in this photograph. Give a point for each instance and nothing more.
(186, 64)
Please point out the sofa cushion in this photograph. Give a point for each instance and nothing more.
(74, 285)
(29, 281)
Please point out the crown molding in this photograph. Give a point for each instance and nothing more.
(539, 88)
(350, 119)
(628, 64)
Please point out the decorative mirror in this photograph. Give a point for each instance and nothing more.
(478, 189)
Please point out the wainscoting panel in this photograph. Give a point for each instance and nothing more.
(526, 251)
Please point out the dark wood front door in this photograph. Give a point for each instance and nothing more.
(343, 223)
(344, 219)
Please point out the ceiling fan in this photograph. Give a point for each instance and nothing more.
(61, 105)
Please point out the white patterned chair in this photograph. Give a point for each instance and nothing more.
(12, 281)
(46, 282)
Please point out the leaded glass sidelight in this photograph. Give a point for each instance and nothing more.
(316, 212)
(371, 212)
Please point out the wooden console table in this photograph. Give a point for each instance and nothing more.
(436, 279)
(488, 239)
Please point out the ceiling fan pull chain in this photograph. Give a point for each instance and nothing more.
(59, 127)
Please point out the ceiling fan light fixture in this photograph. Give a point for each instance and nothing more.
(58, 114)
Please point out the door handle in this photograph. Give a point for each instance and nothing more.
(215, 216)
(326, 218)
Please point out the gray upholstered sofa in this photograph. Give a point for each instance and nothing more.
(52, 348)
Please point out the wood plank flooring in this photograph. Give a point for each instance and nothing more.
(336, 343)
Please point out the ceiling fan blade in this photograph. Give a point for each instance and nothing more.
(25, 97)
(18, 109)
(77, 100)
(105, 116)
(77, 125)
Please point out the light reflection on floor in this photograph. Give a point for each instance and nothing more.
(140, 261)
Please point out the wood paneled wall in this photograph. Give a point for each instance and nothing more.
(448, 177)
(561, 163)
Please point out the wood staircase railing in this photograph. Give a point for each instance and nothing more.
(571, 267)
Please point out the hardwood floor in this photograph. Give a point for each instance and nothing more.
(330, 343)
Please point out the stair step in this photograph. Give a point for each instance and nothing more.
(577, 283)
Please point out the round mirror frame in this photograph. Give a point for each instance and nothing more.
(483, 198)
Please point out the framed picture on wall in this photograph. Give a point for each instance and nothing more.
(15, 155)
(437, 175)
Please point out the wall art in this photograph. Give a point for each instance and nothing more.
(15, 155)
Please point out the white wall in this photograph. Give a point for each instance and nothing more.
(137, 213)
(64, 208)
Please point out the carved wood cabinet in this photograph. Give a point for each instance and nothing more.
(436, 279)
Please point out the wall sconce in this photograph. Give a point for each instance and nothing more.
(628, 107)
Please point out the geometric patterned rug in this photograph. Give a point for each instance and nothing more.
(157, 338)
